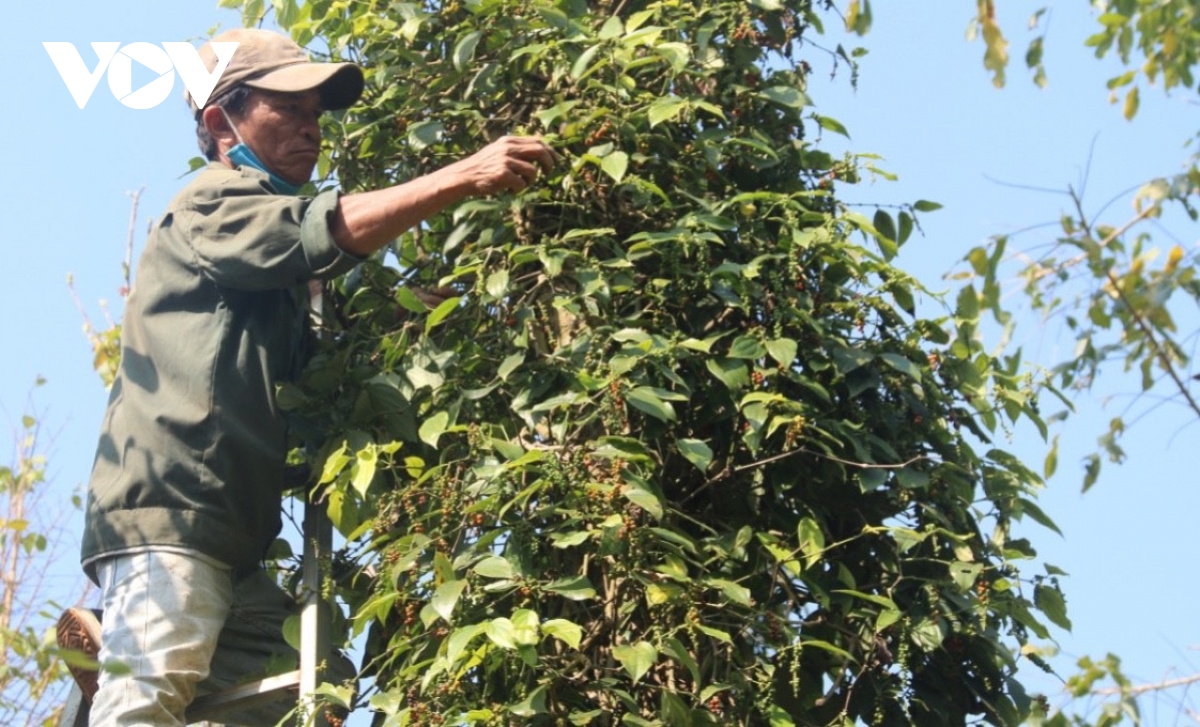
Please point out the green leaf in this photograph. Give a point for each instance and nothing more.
(964, 574)
(578, 588)
(826, 646)
(446, 597)
(734, 592)
(833, 125)
(695, 451)
(646, 500)
(906, 228)
(886, 618)
(433, 428)
(525, 627)
(665, 109)
(556, 402)
(660, 593)
(677, 54)
(637, 659)
(927, 635)
(501, 632)
(968, 305)
(497, 284)
(565, 631)
(779, 717)
(747, 347)
(858, 16)
(548, 116)
(884, 601)
(910, 478)
(510, 364)
(636, 20)
(364, 469)
(389, 702)
(612, 28)
(291, 632)
(924, 205)
(567, 540)
(1022, 616)
(585, 718)
(532, 705)
(730, 372)
(494, 567)
(812, 541)
(334, 464)
(443, 569)
(1130, 107)
(615, 165)
(1050, 601)
(1035, 513)
(674, 648)
(626, 448)
(464, 51)
(884, 225)
(445, 308)
(460, 640)
(631, 335)
(847, 359)
(79, 659)
(644, 399)
(674, 567)
(901, 364)
(409, 301)
(647, 36)
(673, 711)
(424, 133)
(1122, 80)
(783, 350)
(717, 634)
(789, 96)
(581, 63)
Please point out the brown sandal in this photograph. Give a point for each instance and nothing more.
(79, 631)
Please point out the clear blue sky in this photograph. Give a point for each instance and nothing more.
(923, 102)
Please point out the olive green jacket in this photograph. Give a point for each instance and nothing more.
(192, 449)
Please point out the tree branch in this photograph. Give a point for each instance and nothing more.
(1147, 688)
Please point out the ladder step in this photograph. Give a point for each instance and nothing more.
(206, 707)
(216, 705)
(75, 714)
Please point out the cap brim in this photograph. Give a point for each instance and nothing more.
(340, 84)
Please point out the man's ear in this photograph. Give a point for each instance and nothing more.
(219, 127)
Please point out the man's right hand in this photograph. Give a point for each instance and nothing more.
(509, 164)
(367, 221)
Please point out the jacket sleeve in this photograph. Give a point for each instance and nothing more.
(245, 237)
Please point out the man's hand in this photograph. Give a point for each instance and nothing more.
(433, 297)
(509, 164)
(366, 221)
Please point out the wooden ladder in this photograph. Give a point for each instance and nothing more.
(314, 644)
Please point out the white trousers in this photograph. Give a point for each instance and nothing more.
(175, 626)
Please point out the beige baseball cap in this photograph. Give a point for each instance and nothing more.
(272, 62)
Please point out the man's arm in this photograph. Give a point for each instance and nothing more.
(365, 222)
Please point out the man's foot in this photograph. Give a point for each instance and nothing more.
(79, 630)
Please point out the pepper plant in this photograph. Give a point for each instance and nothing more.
(679, 450)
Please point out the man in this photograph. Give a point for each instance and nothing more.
(185, 492)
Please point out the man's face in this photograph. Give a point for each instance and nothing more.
(282, 130)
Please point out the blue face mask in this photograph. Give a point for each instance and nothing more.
(243, 156)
